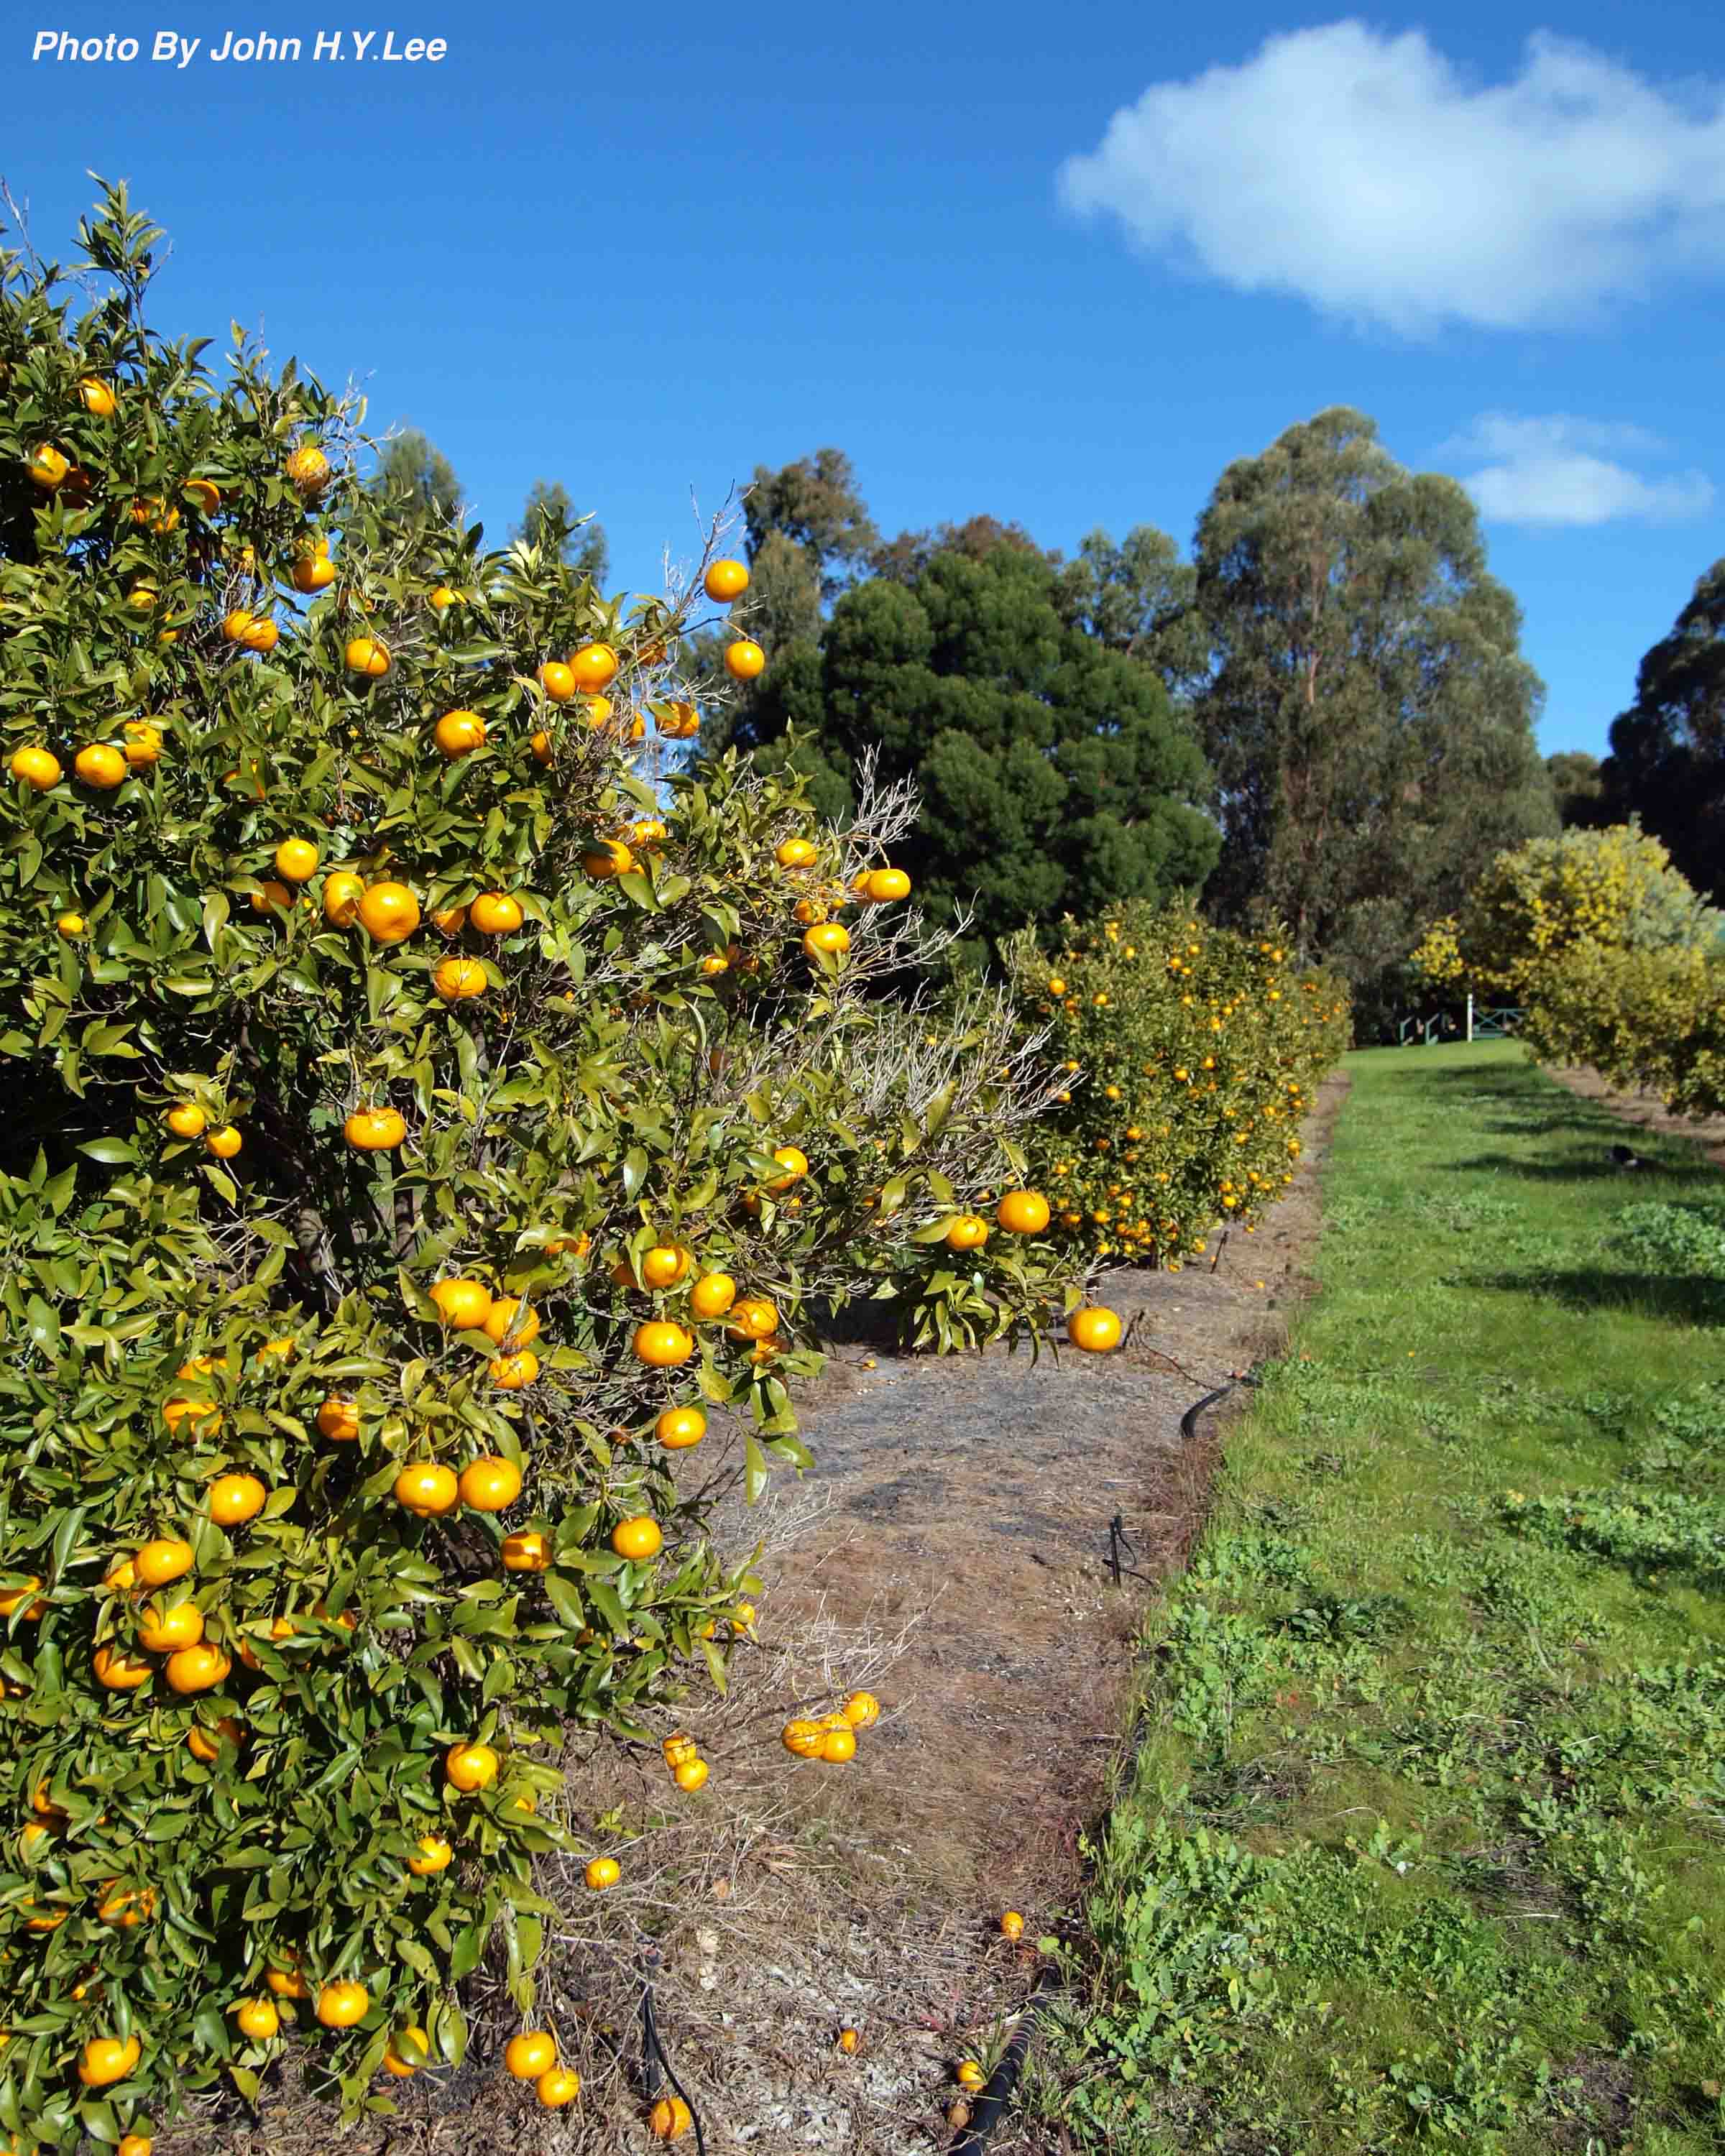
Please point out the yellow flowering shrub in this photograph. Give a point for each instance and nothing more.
(1615, 888)
(1639, 1018)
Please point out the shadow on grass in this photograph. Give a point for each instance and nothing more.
(1600, 1170)
(1678, 1298)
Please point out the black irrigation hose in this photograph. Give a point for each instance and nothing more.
(653, 2057)
(997, 2091)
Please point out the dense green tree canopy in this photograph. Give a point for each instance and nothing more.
(1141, 598)
(1054, 775)
(1668, 759)
(1580, 791)
(1370, 717)
(549, 519)
(411, 473)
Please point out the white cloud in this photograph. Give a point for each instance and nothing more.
(1361, 172)
(1558, 471)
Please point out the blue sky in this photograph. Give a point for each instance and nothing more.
(1058, 264)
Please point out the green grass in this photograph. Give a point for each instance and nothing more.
(1424, 1844)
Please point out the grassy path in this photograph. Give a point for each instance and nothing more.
(1425, 1844)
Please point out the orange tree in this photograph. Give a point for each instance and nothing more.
(419, 1120)
(1191, 1053)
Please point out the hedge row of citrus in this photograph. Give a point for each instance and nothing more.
(1192, 1054)
(421, 1121)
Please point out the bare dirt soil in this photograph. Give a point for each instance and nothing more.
(951, 1550)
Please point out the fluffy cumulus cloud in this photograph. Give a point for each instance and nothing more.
(1360, 172)
(1562, 471)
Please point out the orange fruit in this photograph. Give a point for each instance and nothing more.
(388, 912)
(557, 680)
(427, 1488)
(712, 1295)
(495, 913)
(603, 1871)
(678, 1428)
(308, 469)
(691, 1775)
(312, 572)
(47, 466)
(433, 1855)
(725, 580)
(36, 766)
(597, 708)
(374, 1130)
(295, 860)
(745, 661)
(256, 2018)
(100, 765)
(225, 1143)
(848, 2041)
(797, 854)
(1012, 1925)
(489, 1485)
(463, 1305)
(826, 939)
(440, 597)
(969, 2075)
(10, 1601)
(143, 744)
(196, 1669)
(804, 1738)
(527, 1551)
(133, 2144)
(234, 1499)
(795, 1164)
(270, 897)
(838, 1745)
(861, 1710)
(540, 746)
(202, 1744)
(459, 733)
(159, 1563)
(339, 2006)
(1096, 1329)
(609, 858)
(678, 1747)
(454, 980)
(96, 397)
(342, 891)
(1022, 1212)
(664, 1264)
(106, 2059)
(472, 1767)
(288, 1983)
(594, 666)
(885, 884)
(669, 2119)
(70, 924)
(116, 1671)
(394, 2062)
(514, 1372)
(664, 1346)
(339, 1419)
(557, 2087)
(510, 1321)
(968, 1232)
(161, 1631)
(753, 1318)
(714, 964)
(126, 1908)
(532, 2053)
(366, 655)
(640, 1538)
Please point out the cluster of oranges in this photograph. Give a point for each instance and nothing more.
(833, 1737)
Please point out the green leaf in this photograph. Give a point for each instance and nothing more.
(112, 1153)
(634, 1171)
(756, 1474)
(44, 1326)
